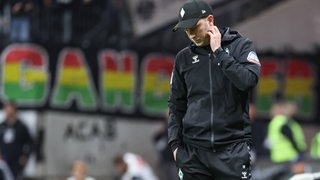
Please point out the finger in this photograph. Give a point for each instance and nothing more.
(217, 30)
(210, 33)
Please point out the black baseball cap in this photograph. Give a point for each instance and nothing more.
(191, 12)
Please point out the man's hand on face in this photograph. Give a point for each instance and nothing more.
(215, 37)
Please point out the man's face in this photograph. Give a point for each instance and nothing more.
(10, 111)
(79, 170)
(198, 33)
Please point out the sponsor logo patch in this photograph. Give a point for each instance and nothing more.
(252, 57)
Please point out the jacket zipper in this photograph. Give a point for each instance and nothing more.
(211, 99)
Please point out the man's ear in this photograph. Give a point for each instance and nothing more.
(210, 18)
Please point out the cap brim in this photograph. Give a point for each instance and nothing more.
(185, 24)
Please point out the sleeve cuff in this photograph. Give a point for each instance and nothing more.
(218, 51)
(218, 54)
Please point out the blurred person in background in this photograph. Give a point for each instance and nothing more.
(314, 154)
(109, 27)
(21, 12)
(79, 171)
(306, 176)
(65, 8)
(47, 20)
(167, 168)
(286, 138)
(16, 143)
(315, 147)
(130, 166)
(258, 132)
(285, 135)
(86, 15)
(2, 18)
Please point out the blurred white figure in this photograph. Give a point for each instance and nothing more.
(306, 176)
(131, 166)
(79, 171)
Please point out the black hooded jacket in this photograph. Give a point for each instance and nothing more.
(208, 103)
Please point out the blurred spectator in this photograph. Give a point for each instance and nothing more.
(86, 15)
(168, 170)
(47, 20)
(315, 147)
(15, 141)
(306, 176)
(79, 171)
(286, 138)
(66, 11)
(131, 166)
(109, 25)
(2, 19)
(146, 9)
(21, 11)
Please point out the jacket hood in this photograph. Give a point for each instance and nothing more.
(228, 35)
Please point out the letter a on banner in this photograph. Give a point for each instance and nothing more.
(73, 82)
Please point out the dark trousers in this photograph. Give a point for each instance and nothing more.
(227, 163)
(16, 169)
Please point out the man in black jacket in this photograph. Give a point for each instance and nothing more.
(209, 127)
(15, 142)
